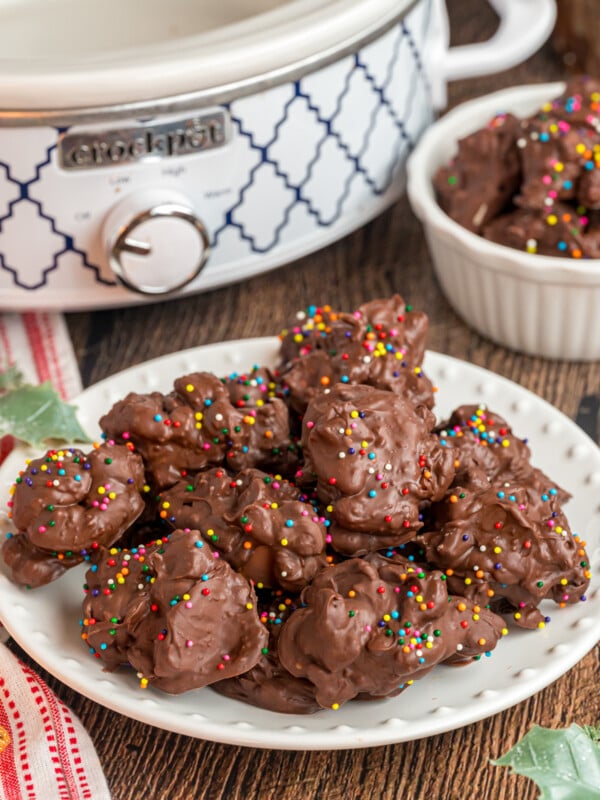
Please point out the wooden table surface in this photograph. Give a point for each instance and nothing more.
(386, 256)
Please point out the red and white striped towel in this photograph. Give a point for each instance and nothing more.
(48, 755)
(45, 753)
(39, 345)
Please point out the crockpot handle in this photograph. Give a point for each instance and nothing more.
(524, 26)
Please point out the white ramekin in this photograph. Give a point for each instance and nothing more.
(541, 305)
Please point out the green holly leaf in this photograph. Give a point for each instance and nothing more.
(593, 731)
(36, 415)
(564, 763)
(10, 379)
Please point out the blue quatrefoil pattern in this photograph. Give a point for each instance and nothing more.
(359, 118)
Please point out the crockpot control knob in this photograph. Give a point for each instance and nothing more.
(155, 242)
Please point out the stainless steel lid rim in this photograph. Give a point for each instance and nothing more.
(204, 97)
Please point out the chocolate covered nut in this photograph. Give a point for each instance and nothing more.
(374, 459)
(261, 525)
(181, 617)
(509, 545)
(557, 147)
(372, 626)
(268, 685)
(67, 503)
(484, 175)
(528, 229)
(253, 388)
(357, 543)
(32, 567)
(545, 141)
(487, 451)
(574, 103)
(197, 426)
(550, 162)
(276, 440)
(381, 344)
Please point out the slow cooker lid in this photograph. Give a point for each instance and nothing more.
(65, 54)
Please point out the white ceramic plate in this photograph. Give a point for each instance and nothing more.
(45, 621)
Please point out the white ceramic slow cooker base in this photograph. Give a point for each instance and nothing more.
(280, 126)
(308, 162)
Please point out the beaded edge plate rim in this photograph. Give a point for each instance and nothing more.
(523, 664)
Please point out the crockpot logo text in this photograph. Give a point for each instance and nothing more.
(92, 149)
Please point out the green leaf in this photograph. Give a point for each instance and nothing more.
(565, 763)
(10, 379)
(593, 731)
(36, 414)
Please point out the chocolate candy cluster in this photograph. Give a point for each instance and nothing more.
(534, 183)
(305, 535)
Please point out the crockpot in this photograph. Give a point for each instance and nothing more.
(153, 149)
